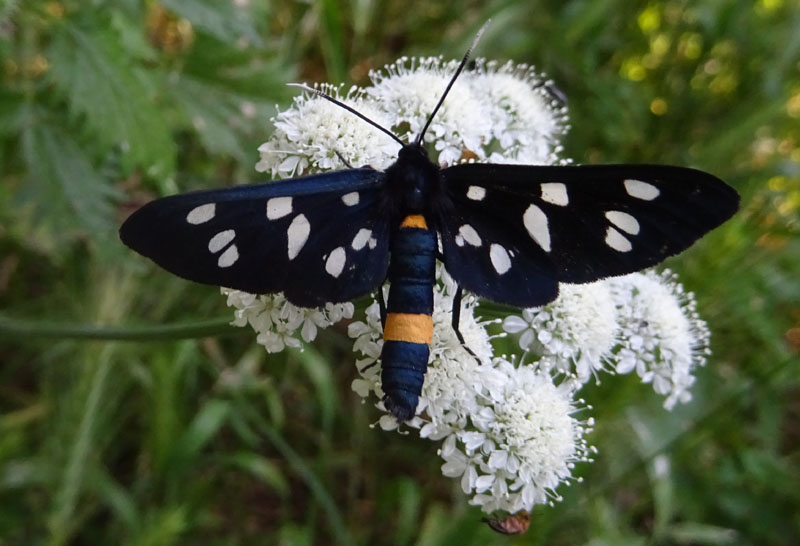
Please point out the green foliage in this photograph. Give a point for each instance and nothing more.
(117, 112)
(58, 166)
(176, 438)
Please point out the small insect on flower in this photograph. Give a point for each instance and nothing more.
(510, 525)
(506, 232)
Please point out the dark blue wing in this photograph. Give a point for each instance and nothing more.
(318, 238)
(538, 226)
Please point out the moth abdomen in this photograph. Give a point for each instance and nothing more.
(408, 331)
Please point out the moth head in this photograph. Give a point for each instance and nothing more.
(413, 152)
(414, 176)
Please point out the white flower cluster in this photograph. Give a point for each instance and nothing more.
(642, 321)
(524, 443)
(277, 321)
(497, 112)
(509, 431)
(661, 335)
(575, 334)
(314, 134)
(509, 426)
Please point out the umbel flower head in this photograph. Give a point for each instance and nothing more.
(661, 334)
(509, 428)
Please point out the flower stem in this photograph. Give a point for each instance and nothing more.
(11, 327)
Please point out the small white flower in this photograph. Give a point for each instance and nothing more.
(368, 337)
(575, 333)
(514, 451)
(314, 133)
(409, 89)
(276, 320)
(525, 122)
(500, 113)
(662, 336)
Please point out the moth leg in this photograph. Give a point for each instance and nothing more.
(457, 318)
(382, 306)
(343, 160)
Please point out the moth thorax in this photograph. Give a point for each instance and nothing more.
(414, 177)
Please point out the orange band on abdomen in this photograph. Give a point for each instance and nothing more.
(408, 327)
(414, 220)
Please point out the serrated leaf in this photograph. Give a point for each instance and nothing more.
(212, 112)
(100, 84)
(243, 71)
(131, 37)
(225, 20)
(64, 190)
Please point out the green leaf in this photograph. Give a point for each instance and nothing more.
(213, 113)
(262, 469)
(98, 79)
(11, 112)
(131, 37)
(118, 499)
(225, 20)
(319, 372)
(81, 440)
(162, 527)
(63, 189)
(206, 424)
(256, 75)
(409, 510)
(698, 533)
(332, 38)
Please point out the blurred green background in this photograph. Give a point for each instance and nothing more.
(132, 414)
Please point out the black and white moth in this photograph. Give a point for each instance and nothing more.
(508, 233)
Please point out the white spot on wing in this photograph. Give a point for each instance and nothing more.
(500, 258)
(555, 193)
(350, 199)
(641, 190)
(201, 214)
(617, 240)
(361, 238)
(334, 265)
(229, 257)
(476, 193)
(298, 235)
(468, 233)
(623, 221)
(278, 207)
(221, 240)
(373, 242)
(535, 222)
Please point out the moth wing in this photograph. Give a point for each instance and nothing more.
(318, 238)
(573, 224)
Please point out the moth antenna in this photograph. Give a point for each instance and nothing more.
(350, 109)
(555, 93)
(461, 66)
